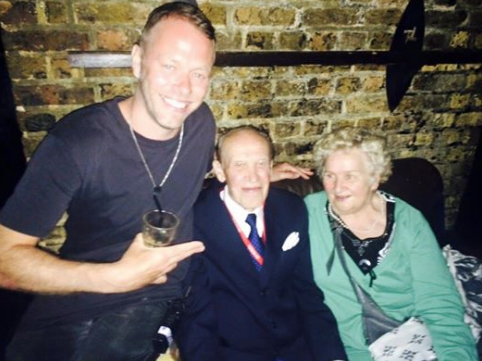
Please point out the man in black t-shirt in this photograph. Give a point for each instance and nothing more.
(103, 297)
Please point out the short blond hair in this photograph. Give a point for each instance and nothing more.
(180, 10)
(372, 144)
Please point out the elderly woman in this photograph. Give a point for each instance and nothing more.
(388, 247)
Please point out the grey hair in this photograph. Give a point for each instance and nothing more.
(372, 144)
(243, 128)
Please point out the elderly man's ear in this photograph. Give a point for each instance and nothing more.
(218, 171)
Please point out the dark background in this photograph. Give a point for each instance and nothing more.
(12, 165)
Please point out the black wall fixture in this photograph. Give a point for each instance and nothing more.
(408, 39)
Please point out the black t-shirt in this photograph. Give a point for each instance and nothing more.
(89, 166)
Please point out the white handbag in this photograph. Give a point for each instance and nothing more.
(409, 341)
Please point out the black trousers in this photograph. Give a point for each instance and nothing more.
(123, 334)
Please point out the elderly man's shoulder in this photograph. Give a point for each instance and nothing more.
(211, 186)
(285, 198)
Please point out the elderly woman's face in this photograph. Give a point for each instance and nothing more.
(348, 181)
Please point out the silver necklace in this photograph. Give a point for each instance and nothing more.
(344, 225)
(157, 188)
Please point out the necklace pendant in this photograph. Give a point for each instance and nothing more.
(364, 264)
(157, 190)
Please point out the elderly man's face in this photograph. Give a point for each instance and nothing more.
(245, 166)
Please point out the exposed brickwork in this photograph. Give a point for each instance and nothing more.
(383, 17)
(56, 12)
(260, 41)
(27, 66)
(53, 95)
(336, 16)
(110, 39)
(293, 40)
(45, 40)
(20, 12)
(441, 19)
(439, 118)
(127, 12)
(216, 13)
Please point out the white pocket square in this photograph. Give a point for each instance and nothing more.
(291, 241)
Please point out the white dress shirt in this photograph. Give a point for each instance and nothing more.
(240, 214)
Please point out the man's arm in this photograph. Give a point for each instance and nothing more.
(282, 171)
(24, 267)
(289, 171)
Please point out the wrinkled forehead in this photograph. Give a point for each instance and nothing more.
(243, 143)
(348, 160)
(241, 137)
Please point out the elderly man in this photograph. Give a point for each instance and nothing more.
(251, 293)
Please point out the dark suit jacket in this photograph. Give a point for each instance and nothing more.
(235, 313)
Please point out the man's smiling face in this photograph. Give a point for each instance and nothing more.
(173, 67)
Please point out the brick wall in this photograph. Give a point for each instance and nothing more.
(439, 119)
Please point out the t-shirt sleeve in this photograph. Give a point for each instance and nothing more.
(43, 194)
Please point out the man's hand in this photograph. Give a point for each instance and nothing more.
(25, 267)
(141, 265)
(289, 171)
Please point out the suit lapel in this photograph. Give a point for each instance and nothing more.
(235, 254)
(273, 247)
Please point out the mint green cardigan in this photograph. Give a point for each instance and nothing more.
(413, 280)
